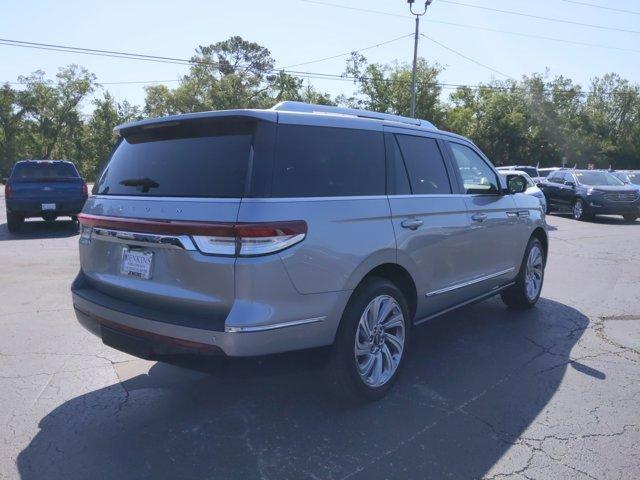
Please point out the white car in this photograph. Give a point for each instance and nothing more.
(544, 173)
(532, 189)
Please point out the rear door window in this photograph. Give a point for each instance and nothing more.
(425, 165)
(39, 170)
(188, 159)
(328, 162)
(398, 178)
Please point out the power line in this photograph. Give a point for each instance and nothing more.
(357, 9)
(444, 85)
(465, 56)
(305, 74)
(162, 59)
(86, 51)
(180, 61)
(477, 27)
(138, 82)
(379, 44)
(93, 50)
(586, 4)
(537, 37)
(540, 17)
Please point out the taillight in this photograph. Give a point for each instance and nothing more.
(85, 189)
(7, 191)
(251, 239)
(243, 239)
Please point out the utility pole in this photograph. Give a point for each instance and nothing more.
(415, 51)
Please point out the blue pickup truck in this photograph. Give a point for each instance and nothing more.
(43, 188)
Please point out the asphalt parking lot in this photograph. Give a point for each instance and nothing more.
(487, 393)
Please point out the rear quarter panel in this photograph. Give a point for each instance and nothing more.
(346, 238)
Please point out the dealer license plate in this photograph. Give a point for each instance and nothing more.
(136, 263)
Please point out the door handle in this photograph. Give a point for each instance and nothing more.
(412, 223)
(479, 217)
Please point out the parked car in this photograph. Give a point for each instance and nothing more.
(529, 170)
(586, 193)
(253, 232)
(532, 188)
(544, 173)
(43, 188)
(630, 177)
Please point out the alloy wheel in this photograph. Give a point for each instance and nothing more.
(578, 210)
(380, 341)
(534, 272)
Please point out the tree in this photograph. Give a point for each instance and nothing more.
(99, 137)
(234, 73)
(51, 109)
(12, 111)
(612, 118)
(387, 88)
(536, 119)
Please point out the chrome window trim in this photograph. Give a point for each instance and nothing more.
(312, 199)
(275, 326)
(364, 197)
(468, 283)
(179, 242)
(291, 199)
(142, 198)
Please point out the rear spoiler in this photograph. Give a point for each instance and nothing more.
(174, 120)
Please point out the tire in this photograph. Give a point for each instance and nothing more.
(524, 294)
(14, 222)
(579, 210)
(630, 218)
(369, 376)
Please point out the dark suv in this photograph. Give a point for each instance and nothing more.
(586, 193)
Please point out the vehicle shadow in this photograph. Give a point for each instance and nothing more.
(39, 229)
(474, 381)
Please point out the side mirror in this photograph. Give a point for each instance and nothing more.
(516, 184)
(569, 183)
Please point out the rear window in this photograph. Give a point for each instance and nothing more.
(531, 171)
(189, 159)
(36, 170)
(328, 162)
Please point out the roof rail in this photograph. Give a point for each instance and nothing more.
(303, 107)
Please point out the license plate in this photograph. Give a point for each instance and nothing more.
(136, 263)
(48, 206)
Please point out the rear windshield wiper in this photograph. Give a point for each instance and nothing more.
(145, 183)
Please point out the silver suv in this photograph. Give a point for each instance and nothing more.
(253, 232)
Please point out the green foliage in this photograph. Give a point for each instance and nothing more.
(537, 119)
(551, 122)
(387, 88)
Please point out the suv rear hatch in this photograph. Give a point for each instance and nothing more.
(158, 236)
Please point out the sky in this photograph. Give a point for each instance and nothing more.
(297, 31)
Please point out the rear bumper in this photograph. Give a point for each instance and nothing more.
(159, 338)
(33, 208)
